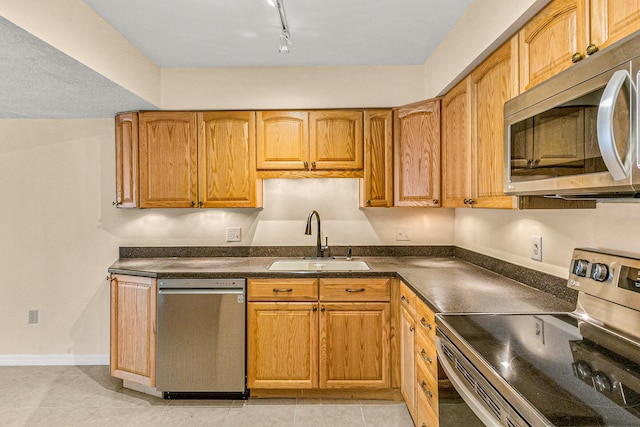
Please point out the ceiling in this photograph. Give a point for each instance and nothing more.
(245, 33)
(40, 81)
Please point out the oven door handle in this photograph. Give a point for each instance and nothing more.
(469, 396)
(606, 137)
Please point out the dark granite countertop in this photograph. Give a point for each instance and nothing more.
(447, 285)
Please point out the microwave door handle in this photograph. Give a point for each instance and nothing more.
(606, 138)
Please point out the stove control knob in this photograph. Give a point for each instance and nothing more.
(601, 382)
(583, 370)
(580, 268)
(599, 272)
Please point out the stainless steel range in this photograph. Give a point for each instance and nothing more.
(560, 369)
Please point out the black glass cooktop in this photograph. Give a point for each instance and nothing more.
(573, 373)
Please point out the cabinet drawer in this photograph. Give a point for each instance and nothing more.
(407, 299)
(282, 289)
(355, 289)
(425, 320)
(426, 354)
(427, 388)
(426, 416)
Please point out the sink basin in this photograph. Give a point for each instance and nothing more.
(318, 265)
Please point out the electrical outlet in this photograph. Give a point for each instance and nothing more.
(536, 248)
(538, 325)
(33, 316)
(234, 234)
(402, 233)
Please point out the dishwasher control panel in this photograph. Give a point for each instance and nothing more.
(201, 283)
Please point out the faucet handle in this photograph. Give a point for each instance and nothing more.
(349, 257)
(326, 251)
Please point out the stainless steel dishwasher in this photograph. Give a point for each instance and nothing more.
(201, 350)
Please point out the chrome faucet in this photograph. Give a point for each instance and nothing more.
(321, 251)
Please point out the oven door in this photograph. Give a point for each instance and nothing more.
(579, 141)
(480, 396)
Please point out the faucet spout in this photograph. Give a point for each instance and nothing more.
(308, 232)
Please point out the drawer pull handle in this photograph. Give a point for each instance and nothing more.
(282, 289)
(423, 385)
(425, 324)
(354, 290)
(425, 357)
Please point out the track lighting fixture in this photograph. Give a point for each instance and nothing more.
(285, 37)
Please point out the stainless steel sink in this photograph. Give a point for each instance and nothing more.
(318, 265)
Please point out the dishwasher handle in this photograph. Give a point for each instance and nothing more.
(238, 291)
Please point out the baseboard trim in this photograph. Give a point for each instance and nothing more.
(53, 359)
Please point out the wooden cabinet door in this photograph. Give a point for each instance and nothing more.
(282, 140)
(550, 39)
(335, 140)
(417, 154)
(127, 160)
(408, 362)
(456, 146)
(492, 83)
(354, 345)
(133, 329)
(226, 160)
(612, 20)
(168, 159)
(376, 188)
(282, 345)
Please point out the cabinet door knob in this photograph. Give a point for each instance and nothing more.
(193, 203)
(315, 308)
(423, 385)
(411, 329)
(576, 57)
(591, 49)
(470, 201)
(368, 202)
(322, 308)
(423, 353)
(425, 324)
(306, 165)
(313, 165)
(436, 201)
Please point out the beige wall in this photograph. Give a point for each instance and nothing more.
(506, 234)
(60, 232)
(291, 87)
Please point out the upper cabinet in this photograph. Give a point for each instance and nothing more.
(326, 143)
(417, 154)
(376, 188)
(127, 160)
(456, 146)
(491, 84)
(472, 132)
(168, 159)
(186, 159)
(226, 159)
(567, 31)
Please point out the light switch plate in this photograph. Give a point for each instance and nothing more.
(234, 234)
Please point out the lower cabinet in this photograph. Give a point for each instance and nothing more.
(419, 360)
(318, 333)
(133, 329)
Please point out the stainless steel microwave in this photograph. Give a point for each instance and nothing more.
(575, 135)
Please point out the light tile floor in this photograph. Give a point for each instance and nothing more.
(88, 396)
